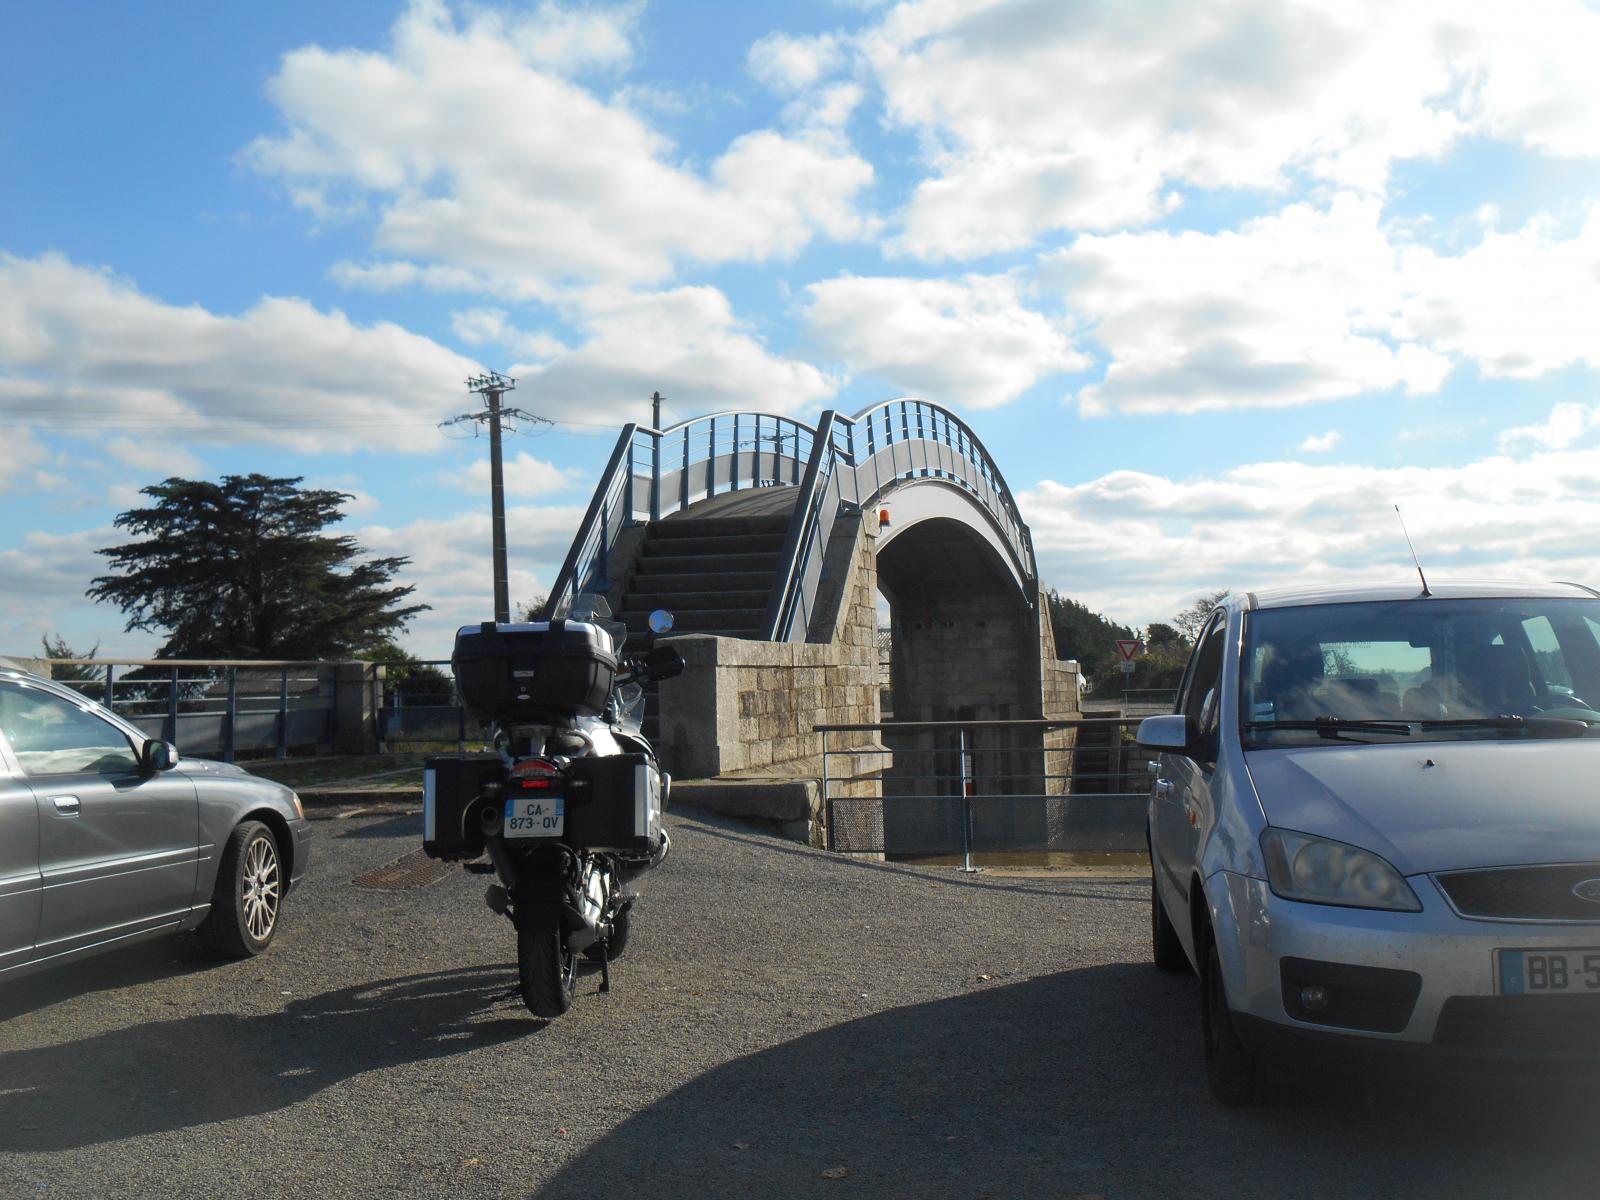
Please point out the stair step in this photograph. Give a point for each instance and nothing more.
(690, 527)
(707, 564)
(648, 602)
(733, 543)
(673, 584)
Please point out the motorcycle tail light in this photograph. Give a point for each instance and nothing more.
(535, 774)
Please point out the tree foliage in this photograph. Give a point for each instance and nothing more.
(1088, 637)
(93, 678)
(241, 568)
(1191, 620)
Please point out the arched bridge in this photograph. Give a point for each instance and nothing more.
(777, 538)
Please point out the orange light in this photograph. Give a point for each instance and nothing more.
(883, 517)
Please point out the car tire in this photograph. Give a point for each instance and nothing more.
(247, 903)
(1234, 1075)
(547, 969)
(1165, 948)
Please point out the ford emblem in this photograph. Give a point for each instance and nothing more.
(1589, 890)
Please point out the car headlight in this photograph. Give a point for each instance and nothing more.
(1321, 871)
(299, 809)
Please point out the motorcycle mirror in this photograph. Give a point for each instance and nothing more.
(661, 621)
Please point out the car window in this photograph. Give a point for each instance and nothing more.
(53, 736)
(1202, 700)
(1422, 663)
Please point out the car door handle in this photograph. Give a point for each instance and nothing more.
(1163, 788)
(67, 806)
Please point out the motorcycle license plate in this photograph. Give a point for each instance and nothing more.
(535, 816)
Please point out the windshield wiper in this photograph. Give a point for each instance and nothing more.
(1536, 726)
(1337, 727)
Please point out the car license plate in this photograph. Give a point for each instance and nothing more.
(1540, 972)
(535, 816)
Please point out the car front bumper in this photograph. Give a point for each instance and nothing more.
(1457, 1010)
(301, 830)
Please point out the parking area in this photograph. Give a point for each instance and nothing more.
(785, 1023)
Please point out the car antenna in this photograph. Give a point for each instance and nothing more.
(1413, 550)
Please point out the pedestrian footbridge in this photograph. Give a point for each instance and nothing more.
(772, 540)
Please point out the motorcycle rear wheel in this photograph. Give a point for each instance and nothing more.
(547, 969)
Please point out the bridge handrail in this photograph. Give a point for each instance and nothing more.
(806, 530)
(670, 469)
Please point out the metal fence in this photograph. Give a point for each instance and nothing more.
(1012, 790)
(417, 705)
(214, 709)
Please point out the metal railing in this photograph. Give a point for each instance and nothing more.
(655, 472)
(841, 461)
(214, 708)
(415, 707)
(950, 773)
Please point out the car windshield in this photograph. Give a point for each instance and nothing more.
(1385, 671)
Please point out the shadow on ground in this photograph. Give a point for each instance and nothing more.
(167, 1075)
(1083, 1083)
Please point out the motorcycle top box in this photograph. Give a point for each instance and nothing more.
(533, 670)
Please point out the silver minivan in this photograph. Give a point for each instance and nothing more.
(106, 838)
(1374, 825)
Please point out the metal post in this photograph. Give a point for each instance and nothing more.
(172, 708)
(683, 477)
(655, 461)
(827, 803)
(111, 699)
(733, 463)
(230, 745)
(711, 458)
(627, 490)
(497, 497)
(283, 713)
(966, 806)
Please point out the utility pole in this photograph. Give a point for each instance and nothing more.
(655, 410)
(492, 386)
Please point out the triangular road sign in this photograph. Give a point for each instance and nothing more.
(1127, 647)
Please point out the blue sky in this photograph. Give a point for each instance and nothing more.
(1217, 283)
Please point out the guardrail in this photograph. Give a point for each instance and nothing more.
(841, 461)
(949, 767)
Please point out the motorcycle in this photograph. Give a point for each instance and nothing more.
(567, 806)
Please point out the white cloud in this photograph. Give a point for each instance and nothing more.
(970, 342)
(481, 157)
(485, 326)
(1289, 309)
(76, 340)
(1119, 542)
(42, 582)
(1517, 304)
(1321, 443)
(451, 565)
(524, 476)
(1565, 425)
(155, 456)
(1035, 115)
(685, 343)
(25, 462)
(788, 63)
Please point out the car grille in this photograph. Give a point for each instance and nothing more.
(1522, 893)
(1557, 1026)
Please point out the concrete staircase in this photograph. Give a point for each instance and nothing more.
(713, 574)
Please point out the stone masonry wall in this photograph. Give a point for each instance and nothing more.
(763, 698)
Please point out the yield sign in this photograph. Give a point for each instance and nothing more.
(1127, 647)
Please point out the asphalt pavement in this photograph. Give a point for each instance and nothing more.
(785, 1023)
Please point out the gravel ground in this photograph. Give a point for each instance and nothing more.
(785, 1023)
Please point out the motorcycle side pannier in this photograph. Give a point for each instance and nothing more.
(533, 670)
(450, 785)
(614, 803)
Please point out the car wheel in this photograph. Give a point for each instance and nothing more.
(248, 898)
(1165, 947)
(547, 969)
(1233, 1073)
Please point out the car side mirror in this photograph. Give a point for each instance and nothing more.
(1174, 732)
(663, 662)
(157, 755)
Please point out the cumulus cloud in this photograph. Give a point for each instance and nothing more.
(1036, 115)
(1137, 545)
(1565, 425)
(1320, 303)
(480, 156)
(1289, 309)
(1321, 443)
(971, 342)
(685, 342)
(78, 340)
(524, 475)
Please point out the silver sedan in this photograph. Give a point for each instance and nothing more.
(1373, 826)
(107, 838)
